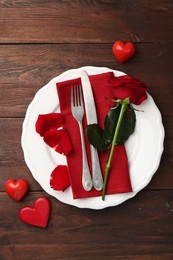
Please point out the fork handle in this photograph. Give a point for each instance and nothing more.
(96, 170)
(86, 176)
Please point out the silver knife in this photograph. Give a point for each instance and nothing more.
(91, 119)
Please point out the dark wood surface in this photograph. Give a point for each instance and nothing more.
(38, 41)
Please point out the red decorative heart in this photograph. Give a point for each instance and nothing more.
(16, 189)
(123, 51)
(38, 215)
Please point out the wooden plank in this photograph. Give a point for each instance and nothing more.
(141, 226)
(102, 21)
(13, 166)
(55, 252)
(24, 69)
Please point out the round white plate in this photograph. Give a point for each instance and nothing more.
(144, 147)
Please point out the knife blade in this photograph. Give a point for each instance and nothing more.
(91, 119)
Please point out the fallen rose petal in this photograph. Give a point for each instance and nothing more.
(47, 122)
(59, 179)
(59, 140)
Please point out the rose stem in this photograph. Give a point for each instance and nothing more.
(108, 164)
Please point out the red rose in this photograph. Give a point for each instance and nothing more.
(127, 87)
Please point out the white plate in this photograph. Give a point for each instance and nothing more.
(144, 147)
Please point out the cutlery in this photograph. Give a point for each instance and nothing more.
(77, 109)
(92, 119)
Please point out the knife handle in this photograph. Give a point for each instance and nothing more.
(86, 176)
(96, 170)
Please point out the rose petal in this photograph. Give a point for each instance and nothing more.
(47, 122)
(59, 140)
(141, 99)
(59, 179)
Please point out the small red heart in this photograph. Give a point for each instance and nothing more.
(123, 51)
(16, 189)
(38, 215)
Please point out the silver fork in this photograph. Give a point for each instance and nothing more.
(77, 109)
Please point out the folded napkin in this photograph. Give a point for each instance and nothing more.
(119, 180)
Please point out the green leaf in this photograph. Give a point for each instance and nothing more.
(127, 125)
(110, 123)
(95, 137)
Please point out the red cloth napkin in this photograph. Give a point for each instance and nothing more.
(119, 180)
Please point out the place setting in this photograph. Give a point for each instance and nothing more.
(89, 138)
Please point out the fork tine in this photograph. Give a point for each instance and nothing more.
(81, 96)
(76, 96)
(72, 98)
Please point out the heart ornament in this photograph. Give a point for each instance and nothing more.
(16, 189)
(38, 215)
(123, 51)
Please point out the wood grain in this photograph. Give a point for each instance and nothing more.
(135, 224)
(25, 69)
(85, 21)
(40, 39)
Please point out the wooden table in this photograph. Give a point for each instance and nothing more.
(41, 39)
